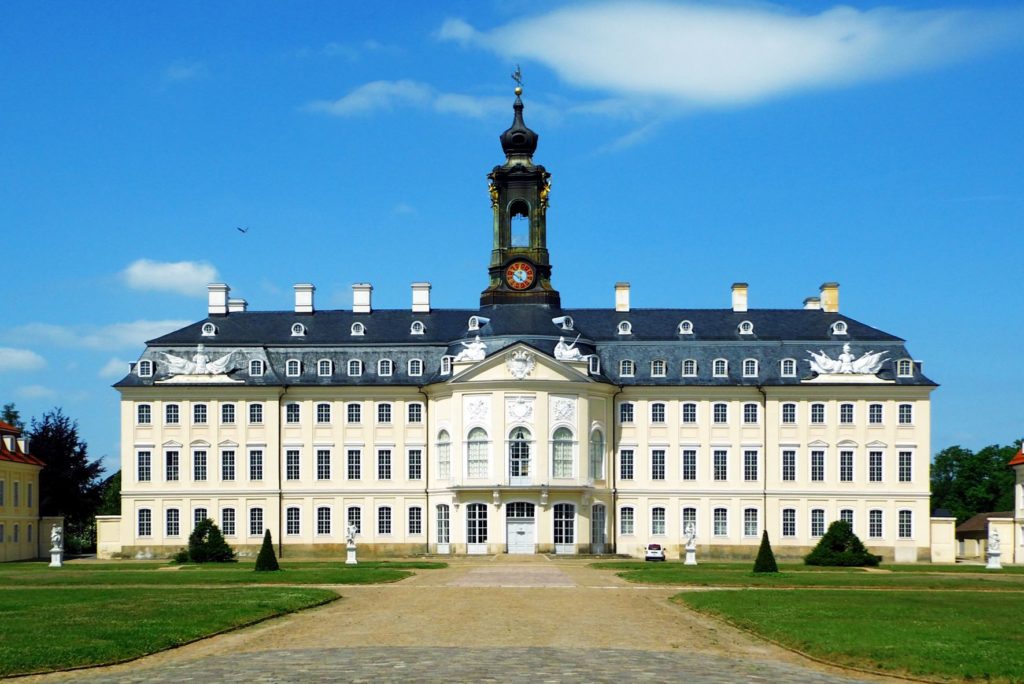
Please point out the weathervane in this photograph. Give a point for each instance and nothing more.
(517, 76)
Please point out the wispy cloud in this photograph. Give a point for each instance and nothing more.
(355, 51)
(108, 337)
(185, 71)
(696, 55)
(35, 392)
(114, 368)
(390, 95)
(188, 278)
(12, 359)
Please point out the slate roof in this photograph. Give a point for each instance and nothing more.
(777, 334)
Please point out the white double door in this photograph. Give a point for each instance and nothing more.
(521, 528)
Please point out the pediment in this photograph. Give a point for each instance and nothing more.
(876, 445)
(227, 443)
(847, 443)
(199, 443)
(171, 444)
(818, 444)
(521, 363)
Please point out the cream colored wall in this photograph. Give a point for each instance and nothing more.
(24, 516)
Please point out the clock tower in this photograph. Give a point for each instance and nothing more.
(520, 272)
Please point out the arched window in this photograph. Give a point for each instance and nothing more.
(690, 368)
(145, 369)
(519, 223)
(658, 368)
(209, 330)
(298, 330)
(358, 329)
(839, 328)
(324, 368)
(561, 453)
(625, 328)
(355, 367)
(787, 368)
(416, 328)
(446, 365)
(905, 368)
(474, 323)
(750, 368)
(596, 455)
(519, 456)
(385, 367)
(720, 368)
(256, 368)
(476, 453)
(686, 328)
(292, 368)
(746, 328)
(627, 368)
(565, 525)
(444, 455)
(415, 367)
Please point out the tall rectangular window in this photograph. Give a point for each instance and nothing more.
(199, 466)
(144, 413)
(227, 521)
(384, 520)
(874, 414)
(788, 414)
(906, 414)
(354, 413)
(750, 522)
(626, 520)
(906, 524)
(626, 464)
(721, 465)
(198, 516)
(788, 465)
(227, 413)
(355, 518)
(750, 414)
(292, 521)
(255, 413)
(323, 520)
(415, 464)
(227, 465)
(658, 412)
(354, 465)
(199, 414)
(750, 465)
(658, 521)
(255, 464)
(384, 413)
(846, 515)
(817, 465)
(846, 414)
(145, 522)
(817, 522)
(720, 413)
(415, 412)
(171, 465)
(292, 414)
(788, 522)
(625, 413)
(415, 520)
(171, 414)
(720, 519)
(689, 413)
(291, 464)
(255, 522)
(144, 470)
(323, 464)
(384, 464)
(875, 523)
(689, 518)
(689, 465)
(874, 466)
(906, 466)
(846, 466)
(444, 458)
(323, 413)
(658, 464)
(817, 414)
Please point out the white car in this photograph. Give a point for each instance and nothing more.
(654, 552)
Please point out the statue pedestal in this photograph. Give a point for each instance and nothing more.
(56, 558)
(351, 559)
(994, 562)
(691, 556)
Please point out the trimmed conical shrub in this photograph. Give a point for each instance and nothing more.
(765, 556)
(267, 561)
(206, 544)
(841, 547)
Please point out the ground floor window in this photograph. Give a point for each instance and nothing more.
(443, 523)
(788, 522)
(415, 520)
(817, 522)
(199, 516)
(292, 521)
(565, 523)
(476, 523)
(875, 524)
(323, 520)
(355, 518)
(384, 520)
(721, 522)
(227, 521)
(657, 520)
(626, 520)
(906, 530)
(145, 522)
(846, 515)
(173, 522)
(255, 522)
(750, 522)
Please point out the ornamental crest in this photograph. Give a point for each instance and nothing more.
(520, 364)
(519, 409)
(563, 410)
(478, 409)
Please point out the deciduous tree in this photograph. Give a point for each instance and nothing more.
(967, 483)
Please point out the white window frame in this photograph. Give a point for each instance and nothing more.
(696, 368)
(905, 368)
(787, 368)
(685, 328)
(720, 527)
(751, 522)
(324, 417)
(446, 365)
(292, 413)
(820, 524)
(872, 522)
(881, 413)
(627, 521)
(720, 368)
(354, 365)
(788, 520)
(839, 328)
(627, 368)
(385, 368)
(908, 525)
(417, 328)
(298, 330)
(357, 329)
(257, 368)
(750, 368)
(659, 368)
(144, 369)
(625, 328)
(323, 364)
(782, 413)
(824, 414)
(747, 407)
(209, 330)
(292, 368)
(745, 328)
(714, 413)
(683, 411)
(900, 418)
(659, 407)
(414, 368)
(655, 522)
(844, 408)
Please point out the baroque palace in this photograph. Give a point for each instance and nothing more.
(521, 426)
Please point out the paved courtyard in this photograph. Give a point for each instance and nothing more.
(483, 619)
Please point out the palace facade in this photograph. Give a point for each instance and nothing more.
(19, 498)
(520, 425)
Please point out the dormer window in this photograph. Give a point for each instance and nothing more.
(690, 368)
(477, 322)
(385, 367)
(358, 329)
(658, 367)
(292, 368)
(746, 328)
(594, 364)
(787, 368)
(446, 365)
(905, 368)
(627, 368)
(209, 330)
(686, 328)
(417, 328)
(564, 322)
(298, 330)
(839, 328)
(625, 328)
(415, 367)
(256, 368)
(324, 368)
(750, 368)
(355, 368)
(145, 369)
(720, 368)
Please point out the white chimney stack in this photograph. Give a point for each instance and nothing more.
(218, 299)
(361, 296)
(622, 296)
(421, 297)
(304, 297)
(830, 297)
(236, 305)
(739, 297)
(812, 303)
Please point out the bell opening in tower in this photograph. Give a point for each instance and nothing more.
(519, 224)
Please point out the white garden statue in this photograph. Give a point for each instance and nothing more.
(691, 544)
(993, 555)
(350, 544)
(57, 548)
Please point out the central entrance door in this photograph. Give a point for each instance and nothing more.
(520, 527)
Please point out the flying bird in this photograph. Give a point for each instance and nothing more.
(242, 230)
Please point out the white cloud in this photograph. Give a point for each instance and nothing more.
(185, 71)
(35, 392)
(114, 369)
(188, 278)
(389, 95)
(12, 359)
(107, 337)
(700, 55)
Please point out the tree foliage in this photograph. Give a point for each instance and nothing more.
(12, 416)
(267, 561)
(69, 484)
(206, 545)
(967, 483)
(765, 561)
(110, 495)
(841, 547)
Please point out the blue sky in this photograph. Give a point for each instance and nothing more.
(692, 145)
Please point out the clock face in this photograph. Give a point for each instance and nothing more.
(520, 275)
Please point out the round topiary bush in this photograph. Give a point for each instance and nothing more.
(841, 547)
(206, 545)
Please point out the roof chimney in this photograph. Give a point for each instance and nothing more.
(622, 296)
(830, 297)
(421, 297)
(361, 294)
(739, 297)
(237, 305)
(218, 299)
(812, 303)
(304, 297)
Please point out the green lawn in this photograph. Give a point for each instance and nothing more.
(795, 575)
(59, 628)
(958, 635)
(149, 573)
